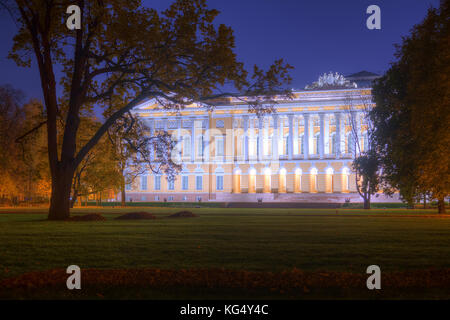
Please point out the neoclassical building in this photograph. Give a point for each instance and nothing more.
(301, 152)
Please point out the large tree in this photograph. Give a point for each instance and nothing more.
(365, 164)
(412, 115)
(124, 50)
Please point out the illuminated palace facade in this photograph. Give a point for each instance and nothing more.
(301, 152)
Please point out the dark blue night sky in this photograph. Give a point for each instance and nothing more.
(314, 36)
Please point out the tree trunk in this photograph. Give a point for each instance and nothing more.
(122, 197)
(366, 203)
(424, 201)
(441, 205)
(60, 198)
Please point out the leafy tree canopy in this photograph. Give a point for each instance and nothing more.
(124, 50)
(412, 115)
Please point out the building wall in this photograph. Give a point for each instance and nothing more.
(251, 161)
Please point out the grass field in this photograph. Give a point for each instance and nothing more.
(238, 239)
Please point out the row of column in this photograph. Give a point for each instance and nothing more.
(324, 132)
(247, 125)
(151, 125)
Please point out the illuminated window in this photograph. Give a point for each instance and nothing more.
(350, 143)
(186, 145)
(200, 146)
(333, 143)
(171, 184)
(199, 182)
(185, 182)
(144, 183)
(219, 146)
(157, 182)
(219, 182)
(317, 143)
(301, 142)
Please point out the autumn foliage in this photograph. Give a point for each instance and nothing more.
(289, 281)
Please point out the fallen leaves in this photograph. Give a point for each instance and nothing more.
(221, 278)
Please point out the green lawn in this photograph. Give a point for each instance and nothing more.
(252, 239)
(246, 239)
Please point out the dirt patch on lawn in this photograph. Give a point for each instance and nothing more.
(183, 214)
(140, 215)
(88, 217)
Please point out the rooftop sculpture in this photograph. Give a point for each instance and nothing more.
(331, 81)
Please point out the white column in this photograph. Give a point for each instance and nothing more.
(207, 139)
(296, 151)
(193, 139)
(233, 119)
(246, 138)
(338, 142)
(152, 133)
(306, 136)
(281, 136)
(322, 134)
(291, 136)
(358, 132)
(260, 138)
(266, 135)
(180, 142)
(252, 135)
(311, 138)
(326, 136)
(275, 138)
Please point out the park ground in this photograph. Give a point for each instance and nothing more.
(227, 253)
